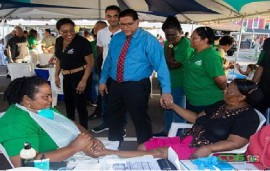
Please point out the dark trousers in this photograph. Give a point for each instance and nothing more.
(73, 99)
(131, 96)
(104, 105)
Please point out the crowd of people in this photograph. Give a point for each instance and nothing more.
(118, 61)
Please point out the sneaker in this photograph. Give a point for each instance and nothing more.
(95, 115)
(93, 104)
(100, 128)
(124, 133)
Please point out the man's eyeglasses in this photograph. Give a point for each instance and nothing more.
(126, 24)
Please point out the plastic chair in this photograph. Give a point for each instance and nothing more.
(44, 58)
(17, 70)
(55, 90)
(175, 126)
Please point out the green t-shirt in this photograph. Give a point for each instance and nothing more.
(31, 42)
(261, 57)
(182, 52)
(94, 48)
(200, 70)
(17, 127)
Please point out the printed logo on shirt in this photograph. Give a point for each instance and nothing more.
(71, 51)
(199, 63)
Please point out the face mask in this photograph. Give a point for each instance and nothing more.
(47, 113)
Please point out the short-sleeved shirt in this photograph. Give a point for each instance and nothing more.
(213, 127)
(200, 70)
(31, 42)
(17, 127)
(182, 52)
(261, 57)
(264, 83)
(48, 41)
(18, 47)
(103, 40)
(73, 56)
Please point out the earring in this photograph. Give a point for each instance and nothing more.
(29, 105)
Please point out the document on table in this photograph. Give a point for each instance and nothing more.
(140, 163)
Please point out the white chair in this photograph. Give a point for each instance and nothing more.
(175, 126)
(55, 90)
(17, 70)
(44, 58)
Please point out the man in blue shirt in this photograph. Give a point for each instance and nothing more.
(144, 54)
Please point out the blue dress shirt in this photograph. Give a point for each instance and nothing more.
(144, 55)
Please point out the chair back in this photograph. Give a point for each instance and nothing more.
(44, 58)
(261, 118)
(17, 70)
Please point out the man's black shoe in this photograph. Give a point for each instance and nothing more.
(95, 115)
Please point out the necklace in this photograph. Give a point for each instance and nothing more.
(223, 112)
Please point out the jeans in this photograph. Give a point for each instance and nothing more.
(179, 98)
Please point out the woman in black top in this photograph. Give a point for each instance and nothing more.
(75, 61)
(226, 125)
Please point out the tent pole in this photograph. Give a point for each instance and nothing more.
(239, 40)
(99, 11)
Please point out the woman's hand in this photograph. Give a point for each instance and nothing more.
(202, 151)
(94, 149)
(57, 81)
(81, 142)
(81, 87)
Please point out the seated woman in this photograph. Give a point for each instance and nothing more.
(226, 125)
(30, 118)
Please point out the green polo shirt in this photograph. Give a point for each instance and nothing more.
(182, 52)
(200, 70)
(17, 127)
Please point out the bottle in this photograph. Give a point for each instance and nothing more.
(27, 155)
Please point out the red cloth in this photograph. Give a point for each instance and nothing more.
(181, 147)
(121, 61)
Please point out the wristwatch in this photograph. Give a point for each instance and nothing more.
(170, 45)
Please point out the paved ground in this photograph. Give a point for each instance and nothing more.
(155, 111)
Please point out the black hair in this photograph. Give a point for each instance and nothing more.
(250, 89)
(113, 7)
(206, 32)
(171, 22)
(129, 12)
(22, 86)
(48, 30)
(226, 40)
(63, 21)
(32, 33)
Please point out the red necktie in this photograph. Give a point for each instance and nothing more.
(121, 61)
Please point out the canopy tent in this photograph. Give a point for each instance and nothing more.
(188, 11)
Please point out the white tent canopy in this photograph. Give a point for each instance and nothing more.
(195, 11)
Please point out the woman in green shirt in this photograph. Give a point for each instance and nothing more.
(204, 78)
(177, 49)
(30, 118)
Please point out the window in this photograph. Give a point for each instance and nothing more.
(255, 23)
(267, 26)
